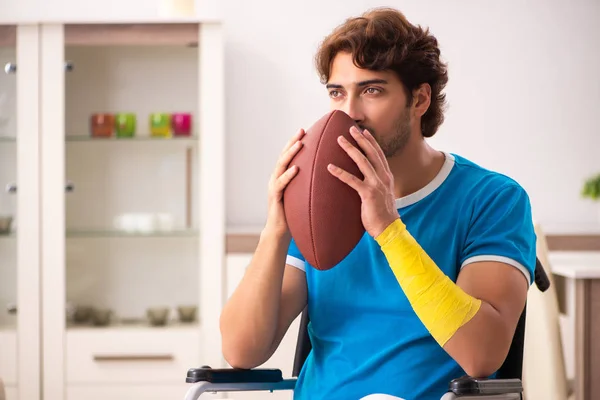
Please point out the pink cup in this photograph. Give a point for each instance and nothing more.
(181, 123)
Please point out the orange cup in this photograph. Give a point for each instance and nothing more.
(102, 125)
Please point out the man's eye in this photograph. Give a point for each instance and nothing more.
(372, 91)
(334, 93)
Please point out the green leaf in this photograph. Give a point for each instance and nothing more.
(591, 187)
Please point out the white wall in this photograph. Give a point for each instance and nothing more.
(524, 88)
(524, 91)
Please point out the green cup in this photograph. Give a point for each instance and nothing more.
(160, 124)
(125, 125)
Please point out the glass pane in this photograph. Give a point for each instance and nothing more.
(8, 174)
(131, 165)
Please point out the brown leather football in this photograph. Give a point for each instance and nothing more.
(322, 212)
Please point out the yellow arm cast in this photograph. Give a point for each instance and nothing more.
(441, 305)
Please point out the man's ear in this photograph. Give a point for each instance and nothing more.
(421, 99)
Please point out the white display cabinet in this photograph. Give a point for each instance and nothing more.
(20, 356)
(119, 227)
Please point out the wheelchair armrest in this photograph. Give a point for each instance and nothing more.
(206, 379)
(483, 388)
(233, 375)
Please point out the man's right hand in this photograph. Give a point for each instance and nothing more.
(280, 178)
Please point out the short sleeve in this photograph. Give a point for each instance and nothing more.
(294, 257)
(501, 229)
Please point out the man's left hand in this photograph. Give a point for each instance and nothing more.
(376, 190)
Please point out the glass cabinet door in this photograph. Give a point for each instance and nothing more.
(19, 211)
(8, 179)
(131, 201)
(130, 176)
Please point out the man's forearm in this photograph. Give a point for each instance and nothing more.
(481, 345)
(468, 329)
(249, 319)
(442, 306)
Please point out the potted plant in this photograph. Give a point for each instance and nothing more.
(591, 189)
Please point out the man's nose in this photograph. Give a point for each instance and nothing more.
(353, 108)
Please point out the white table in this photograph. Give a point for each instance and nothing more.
(584, 268)
(576, 264)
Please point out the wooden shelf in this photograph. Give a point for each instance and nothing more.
(574, 242)
(182, 32)
(145, 34)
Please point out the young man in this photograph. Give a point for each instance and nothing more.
(436, 286)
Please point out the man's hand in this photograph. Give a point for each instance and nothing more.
(376, 191)
(280, 178)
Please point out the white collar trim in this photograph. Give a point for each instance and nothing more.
(430, 187)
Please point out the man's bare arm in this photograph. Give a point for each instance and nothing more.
(481, 345)
(473, 319)
(294, 296)
(263, 306)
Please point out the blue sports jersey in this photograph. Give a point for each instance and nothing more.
(366, 337)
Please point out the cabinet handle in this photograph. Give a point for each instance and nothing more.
(12, 187)
(12, 308)
(132, 357)
(10, 68)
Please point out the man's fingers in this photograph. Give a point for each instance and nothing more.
(346, 177)
(369, 137)
(293, 140)
(370, 150)
(285, 178)
(286, 157)
(363, 164)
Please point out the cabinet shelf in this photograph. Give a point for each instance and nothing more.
(175, 32)
(110, 233)
(121, 327)
(183, 33)
(90, 139)
(145, 138)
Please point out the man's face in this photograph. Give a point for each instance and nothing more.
(376, 100)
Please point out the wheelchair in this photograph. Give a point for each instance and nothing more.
(506, 385)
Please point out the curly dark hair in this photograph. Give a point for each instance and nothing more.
(383, 39)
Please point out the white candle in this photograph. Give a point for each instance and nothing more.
(177, 8)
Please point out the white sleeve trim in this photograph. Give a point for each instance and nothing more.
(296, 262)
(501, 259)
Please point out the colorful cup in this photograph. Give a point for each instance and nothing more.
(102, 125)
(160, 124)
(181, 123)
(125, 125)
